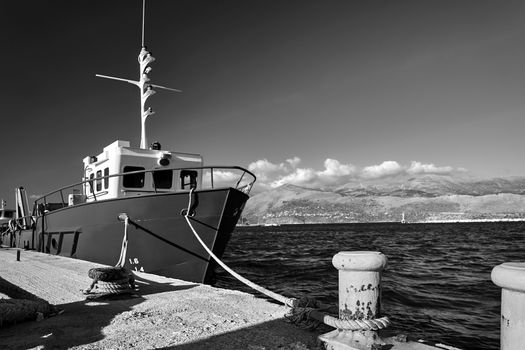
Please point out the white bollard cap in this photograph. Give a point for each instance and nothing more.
(359, 261)
(510, 275)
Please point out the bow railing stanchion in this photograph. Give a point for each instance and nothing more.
(238, 182)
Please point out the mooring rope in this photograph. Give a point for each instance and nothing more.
(302, 311)
(124, 247)
(269, 293)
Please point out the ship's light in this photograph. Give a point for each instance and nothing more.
(164, 159)
(164, 162)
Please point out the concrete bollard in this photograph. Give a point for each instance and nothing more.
(359, 298)
(511, 278)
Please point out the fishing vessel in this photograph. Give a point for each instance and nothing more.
(6, 215)
(136, 199)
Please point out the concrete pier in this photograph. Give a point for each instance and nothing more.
(511, 278)
(167, 313)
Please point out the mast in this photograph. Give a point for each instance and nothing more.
(146, 89)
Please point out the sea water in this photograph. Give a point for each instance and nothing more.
(436, 286)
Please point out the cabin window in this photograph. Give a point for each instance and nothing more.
(99, 180)
(162, 178)
(133, 180)
(91, 177)
(106, 180)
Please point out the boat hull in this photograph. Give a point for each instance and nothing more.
(159, 238)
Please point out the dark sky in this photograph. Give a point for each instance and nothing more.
(373, 85)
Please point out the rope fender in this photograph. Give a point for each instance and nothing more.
(305, 312)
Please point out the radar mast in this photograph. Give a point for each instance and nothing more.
(146, 89)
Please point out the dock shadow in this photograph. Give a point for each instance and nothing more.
(13, 291)
(275, 334)
(82, 322)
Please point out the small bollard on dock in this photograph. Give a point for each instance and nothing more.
(18, 255)
(511, 278)
(359, 299)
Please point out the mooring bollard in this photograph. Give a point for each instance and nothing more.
(359, 298)
(511, 278)
(18, 255)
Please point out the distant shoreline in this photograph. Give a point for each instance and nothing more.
(470, 220)
(459, 221)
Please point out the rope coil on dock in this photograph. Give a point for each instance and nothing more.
(305, 312)
(110, 280)
(113, 280)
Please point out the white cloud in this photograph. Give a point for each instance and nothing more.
(275, 175)
(267, 171)
(387, 168)
(333, 168)
(298, 177)
(270, 175)
(294, 162)
(418, 168)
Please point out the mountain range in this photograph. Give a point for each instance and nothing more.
(420, 198)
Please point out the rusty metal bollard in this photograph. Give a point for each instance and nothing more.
(511, 278)
(359, 298)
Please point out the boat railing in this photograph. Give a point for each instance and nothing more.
(211, 177)
(22, 223)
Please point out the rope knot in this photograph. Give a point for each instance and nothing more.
(301, 317)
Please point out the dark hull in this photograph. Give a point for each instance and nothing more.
(161, 242)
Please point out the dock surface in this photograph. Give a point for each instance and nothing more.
(166, 313)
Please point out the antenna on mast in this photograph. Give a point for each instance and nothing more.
(146, 89)
(143, 19)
